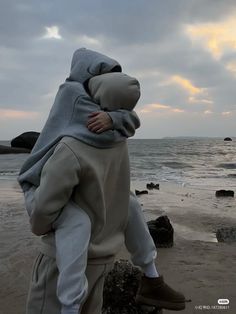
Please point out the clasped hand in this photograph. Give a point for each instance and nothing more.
(99, 122)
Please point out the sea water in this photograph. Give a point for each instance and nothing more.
(205, 162)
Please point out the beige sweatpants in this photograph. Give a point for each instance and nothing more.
(42, 297)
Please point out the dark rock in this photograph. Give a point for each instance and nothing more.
(161, 231)
(137, 192)
(120, 289)
(227, 139)
(227, 234)
(25, 140)
(151, 186)
(224, 193)
(12, 150)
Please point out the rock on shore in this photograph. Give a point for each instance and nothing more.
(13, 150)
(224, 193)
(161, 231)
(21, 144)
(120, 288)
(227, 234)
(25, 140)
(137, 192)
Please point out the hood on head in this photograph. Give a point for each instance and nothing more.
(88, 63)
(114, 91)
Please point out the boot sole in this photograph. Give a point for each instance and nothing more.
(174, 306)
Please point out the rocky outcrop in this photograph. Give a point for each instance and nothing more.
(224, 193)
(12, 150)
(21, 144)
(228, 139)
(227, 234)
(161, 231)
(25, 140)
(120, 288)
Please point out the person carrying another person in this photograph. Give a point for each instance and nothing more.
(76, 186)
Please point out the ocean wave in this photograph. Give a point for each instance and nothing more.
(209, 176)
(176, 165)
(193, 153)
(12, 173)
(227, 165)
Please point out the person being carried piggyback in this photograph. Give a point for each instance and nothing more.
(74, 196)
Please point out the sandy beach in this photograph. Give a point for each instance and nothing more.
(198, 265)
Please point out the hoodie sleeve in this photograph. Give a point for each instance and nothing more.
(59, 176)
(125, 121)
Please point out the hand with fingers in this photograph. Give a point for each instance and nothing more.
(99, 122)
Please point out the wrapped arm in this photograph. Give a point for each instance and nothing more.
(59, 176)
(125, 121)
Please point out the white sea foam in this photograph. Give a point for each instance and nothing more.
(201, 162)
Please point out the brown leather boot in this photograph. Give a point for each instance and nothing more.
(155, 292)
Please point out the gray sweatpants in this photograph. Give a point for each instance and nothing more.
(42, 298)
(72, 234)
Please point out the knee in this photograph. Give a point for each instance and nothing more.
(134, 206)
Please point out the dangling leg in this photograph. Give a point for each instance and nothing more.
(139, 241)
(72, 236)
(152, 289)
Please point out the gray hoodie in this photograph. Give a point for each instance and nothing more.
(69, 115)
(90, 177)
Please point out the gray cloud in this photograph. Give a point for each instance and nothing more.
(147, 37)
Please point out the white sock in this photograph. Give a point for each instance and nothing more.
(150, 270)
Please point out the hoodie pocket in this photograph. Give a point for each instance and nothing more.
(36, 267)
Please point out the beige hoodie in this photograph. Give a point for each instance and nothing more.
(115, 91)
(97, 180)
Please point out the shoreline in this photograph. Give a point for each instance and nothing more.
(195, 214)
(197, 265)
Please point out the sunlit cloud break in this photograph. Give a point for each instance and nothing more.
(153, 107)
(15, 114)
(52, 32)
(198, 95)
(231, 67)
(185, 84)
(208, 112)
(157, 108)
(177, 110)
(216, 37)
(226, 113)
(196, 100)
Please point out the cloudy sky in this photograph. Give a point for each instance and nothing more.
(182, 51)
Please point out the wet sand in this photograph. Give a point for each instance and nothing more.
(203, 269)
(18, 248)
(197, 265)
